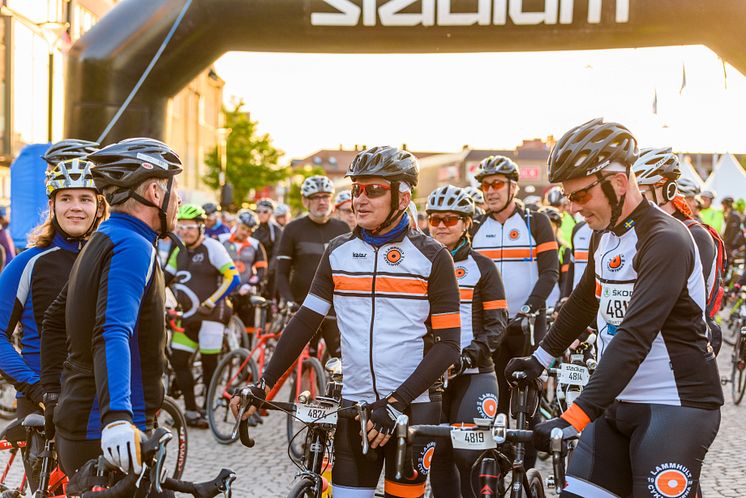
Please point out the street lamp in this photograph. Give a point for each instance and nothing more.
(222, 136)
(52, 32)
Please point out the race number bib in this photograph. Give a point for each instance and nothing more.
(315, 413)
(613, 304)
(472, 439)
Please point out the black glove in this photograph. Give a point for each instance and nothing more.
(35, 393)
(259, 392)
(384, 414)
(465, 363)
(543, 433)
(528, 364)
(50, 403)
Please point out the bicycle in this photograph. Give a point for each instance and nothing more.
(239, 368)
(319, 416)
(490, 437)
(110, 483)
(171, 417)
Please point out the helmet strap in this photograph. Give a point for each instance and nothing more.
(162, 209)
(616, 203)
(394, 213)
(91, 228)
(507, 202)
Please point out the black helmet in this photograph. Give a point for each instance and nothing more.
(497, 165)
(387, 162)
(590, 147)
(553, 214)
(128, 163)
(727, 200)
(248, 218)
(655, 165)
(70, 148)
(266, 203)
(210, 208)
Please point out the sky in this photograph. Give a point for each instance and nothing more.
(441, 102)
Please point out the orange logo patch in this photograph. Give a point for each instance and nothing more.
(671, 483)
(394, 256)
(514, 234)
(616, 263)
(487, 405)
(426, 458)
(460, 272)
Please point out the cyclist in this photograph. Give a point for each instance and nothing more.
(301, 247)
(250, 260)
(7, 248)
(733, 231)
(214, 225)
(563, 287)
(67, 149)
(651, 409)
(343, 208)
(710, 215)
(472, 388)
(689, 190)
(478, 199)
(203, 275)
(33, 279)
(656, 171)
(113, 320)
(400, 286)
(267, 231)
(521, 243)
(581, 239)
(555, 199)
(282, 215)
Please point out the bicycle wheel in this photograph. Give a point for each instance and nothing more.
(313, 379)
(302, 488)
(228, 375)
(237, 335)
(535, 484)
(738, 371)
(7, 400)
(170, 417)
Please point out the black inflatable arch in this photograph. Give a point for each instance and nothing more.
(104, 64)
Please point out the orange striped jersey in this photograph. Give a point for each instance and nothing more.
(581, 240)
(248, 256)
(524, 250)
(484, 310)
(397, 309)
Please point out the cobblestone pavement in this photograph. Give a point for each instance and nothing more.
(266, 470)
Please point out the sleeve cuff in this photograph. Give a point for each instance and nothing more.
(576, 417)
(543, 356)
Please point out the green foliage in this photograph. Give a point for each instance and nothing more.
(251, 158)
(298, 174)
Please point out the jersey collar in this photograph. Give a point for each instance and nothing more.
(134, 224)
(630, 221)
(462, 252)
(73, 246)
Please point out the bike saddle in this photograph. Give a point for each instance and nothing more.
(14, 432)
(34, 420)
(258, 301)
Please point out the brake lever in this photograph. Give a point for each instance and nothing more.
(241, 411)
(362, 412)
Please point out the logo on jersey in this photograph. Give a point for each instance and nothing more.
(394, 256)
(359, 255)
(670, 480)
(198, 258)
(461, 272)
(514, 234)
(487, 405)
(616, 263)
(425, 458)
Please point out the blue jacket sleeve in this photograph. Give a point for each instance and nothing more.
(14, 292)
(123, 282)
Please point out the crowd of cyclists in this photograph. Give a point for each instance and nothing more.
(426, 310)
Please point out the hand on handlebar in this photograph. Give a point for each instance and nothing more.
(382, 424)
(528, 364)
(120, 444)
(258, 393)
(543, 432)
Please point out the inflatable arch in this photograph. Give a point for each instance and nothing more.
(106, 62)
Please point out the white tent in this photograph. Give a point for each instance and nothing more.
(688, 171)
(727, 178)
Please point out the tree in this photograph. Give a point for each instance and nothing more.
(251, 158)
(298, 174)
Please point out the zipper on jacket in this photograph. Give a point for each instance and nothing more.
(372, 319)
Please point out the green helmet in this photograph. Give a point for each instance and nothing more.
(740, 205)
(191, 212)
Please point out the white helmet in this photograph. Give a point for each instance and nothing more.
(687, 187)
(450, 199)
(72, 173)
(316, 185)
(342, 197)
(282, 210)
(655, 165)
(475, 194)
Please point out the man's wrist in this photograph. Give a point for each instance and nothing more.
(543, 357)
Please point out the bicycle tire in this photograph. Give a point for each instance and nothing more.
(219, 415)
(535, 484)
(7, 400)
(238, 329)
(733, 325)
(311, 368)
(302, 488)
(171, 417)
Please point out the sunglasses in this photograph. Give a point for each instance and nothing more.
(493, 185)
(448, 221)
(583, 195)
(371, 190)
(187, 227)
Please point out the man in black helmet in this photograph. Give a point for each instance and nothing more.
(652, 408)
(214, 226)
(70, 148)
(522, 245)
(111, 311)
(397, 302)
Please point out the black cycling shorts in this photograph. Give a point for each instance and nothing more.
(642, 450)
(356, 475)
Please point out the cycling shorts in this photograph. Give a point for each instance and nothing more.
(642, 450)
(205, 335)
